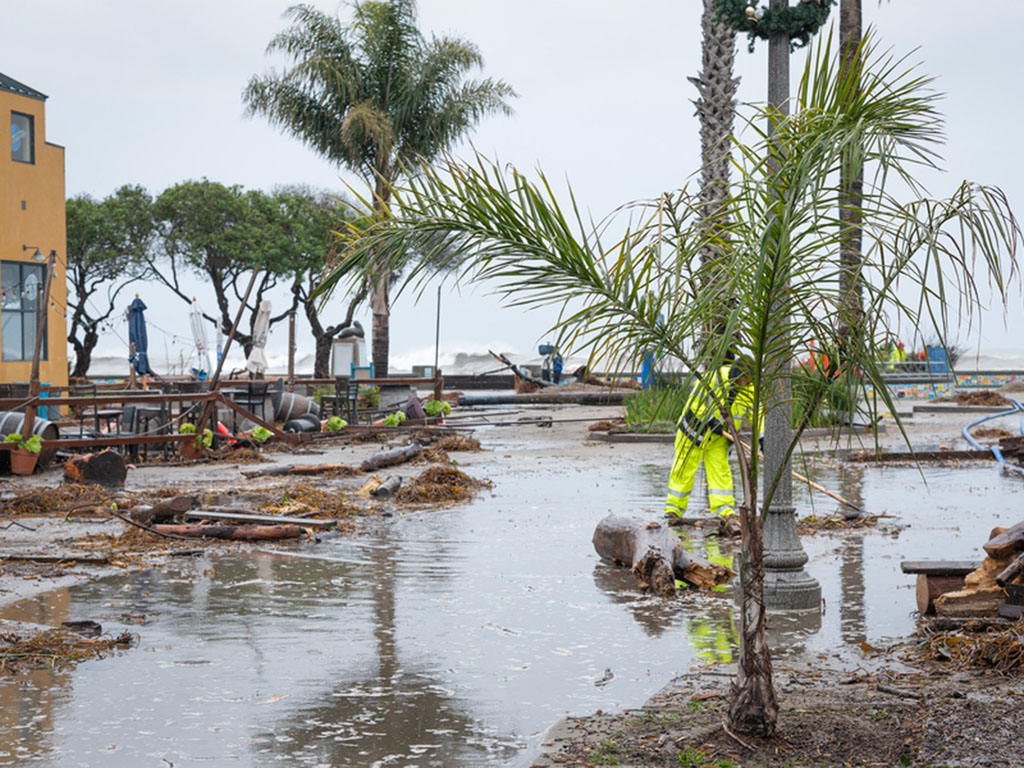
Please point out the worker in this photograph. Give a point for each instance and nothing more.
(897, 355)
(700, 438)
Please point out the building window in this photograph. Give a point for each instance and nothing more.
(23, 147)
(21, 287)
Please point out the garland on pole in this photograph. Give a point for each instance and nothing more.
(797, 22)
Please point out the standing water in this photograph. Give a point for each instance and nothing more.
(456, 636)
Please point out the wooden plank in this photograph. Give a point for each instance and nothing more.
(940, 567)
(249, 517)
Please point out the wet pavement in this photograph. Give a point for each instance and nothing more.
(458, 636)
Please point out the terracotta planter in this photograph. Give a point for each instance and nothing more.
(190, 450)
(23, 462)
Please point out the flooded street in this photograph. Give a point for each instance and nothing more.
(457, 636)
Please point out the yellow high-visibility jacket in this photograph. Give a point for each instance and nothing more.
(711, 394)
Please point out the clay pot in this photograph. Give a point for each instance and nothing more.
(23, 462)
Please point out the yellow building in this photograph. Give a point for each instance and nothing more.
(32, 227)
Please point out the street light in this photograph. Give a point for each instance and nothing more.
(37, 256)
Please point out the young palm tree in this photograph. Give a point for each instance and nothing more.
(778, 282)
(376, 97)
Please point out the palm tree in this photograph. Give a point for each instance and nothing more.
(716, 108)
(491, 224)
(376, 97)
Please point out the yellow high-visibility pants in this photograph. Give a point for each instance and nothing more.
(714, 452)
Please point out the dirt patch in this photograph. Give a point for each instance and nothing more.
(61, 499)
(990, 433)
(826, 719)
(438, 485)
(982, 397)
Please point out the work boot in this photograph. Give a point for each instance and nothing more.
(729, 527)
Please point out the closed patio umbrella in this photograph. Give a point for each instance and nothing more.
(203, 369)
(257, 361)
(137, 336)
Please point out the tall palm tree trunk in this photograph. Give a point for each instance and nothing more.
(716, 108)
(851, 181)
(380, 301)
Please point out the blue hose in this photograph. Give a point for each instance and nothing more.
(996, 453)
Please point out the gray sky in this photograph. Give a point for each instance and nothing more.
(149, 93)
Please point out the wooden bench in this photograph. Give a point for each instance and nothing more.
(936, 577)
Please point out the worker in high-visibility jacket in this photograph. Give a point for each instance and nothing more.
(700, 438)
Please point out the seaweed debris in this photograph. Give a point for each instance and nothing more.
(999, 649)
(57, 648)
(62, 499)
(440, 484)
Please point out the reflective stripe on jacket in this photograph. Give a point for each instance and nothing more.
(703, 407)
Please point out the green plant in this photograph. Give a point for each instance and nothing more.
(656, 409)
(187, 429)
(368, 397)
(394, 419)
(260, 435)
(692, 757)
(33, 444)
(436, 407)
(206, 439)
(335, 424)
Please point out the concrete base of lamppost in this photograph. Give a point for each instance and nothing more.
(787, 586)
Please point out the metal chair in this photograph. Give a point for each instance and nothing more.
(253, 399)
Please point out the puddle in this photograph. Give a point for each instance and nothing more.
(457, 636)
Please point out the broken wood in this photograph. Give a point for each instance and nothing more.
(392, 457)
(1011, 572)
(163, 511)
(655, 554)
(930, 587)
(982, 602)
(300, 469)
(519, 371)
(1005, 543)
(391, 484)
(235, 532)
(940, 567)
(105, 468)
(254, 517)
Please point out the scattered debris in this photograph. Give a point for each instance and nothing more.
(56, 648)
(304, 469)
(388, 487)
(977, 645)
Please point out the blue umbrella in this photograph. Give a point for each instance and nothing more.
(137, 336)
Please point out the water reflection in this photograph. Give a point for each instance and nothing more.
(454, 636)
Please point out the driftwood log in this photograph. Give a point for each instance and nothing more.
(236, 532)
(391, 484)
(1003, 543)
(1011, 572)
(524, 375)
(392, 457)
(106, 468)
(163, 511)
(655, 554)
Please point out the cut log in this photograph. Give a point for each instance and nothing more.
(300, 469)
(1005, 544)
(392, 457)
(255, 517)
(930, 587)
(163, 511)
(236, 532)
(655, 554)
(985, 574)
(983, 602)
(388, 487)
(1011, 572)
(105, 468)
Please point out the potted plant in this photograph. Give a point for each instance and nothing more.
(193, 449)
(24, 453)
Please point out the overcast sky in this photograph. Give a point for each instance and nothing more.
(148, 92)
